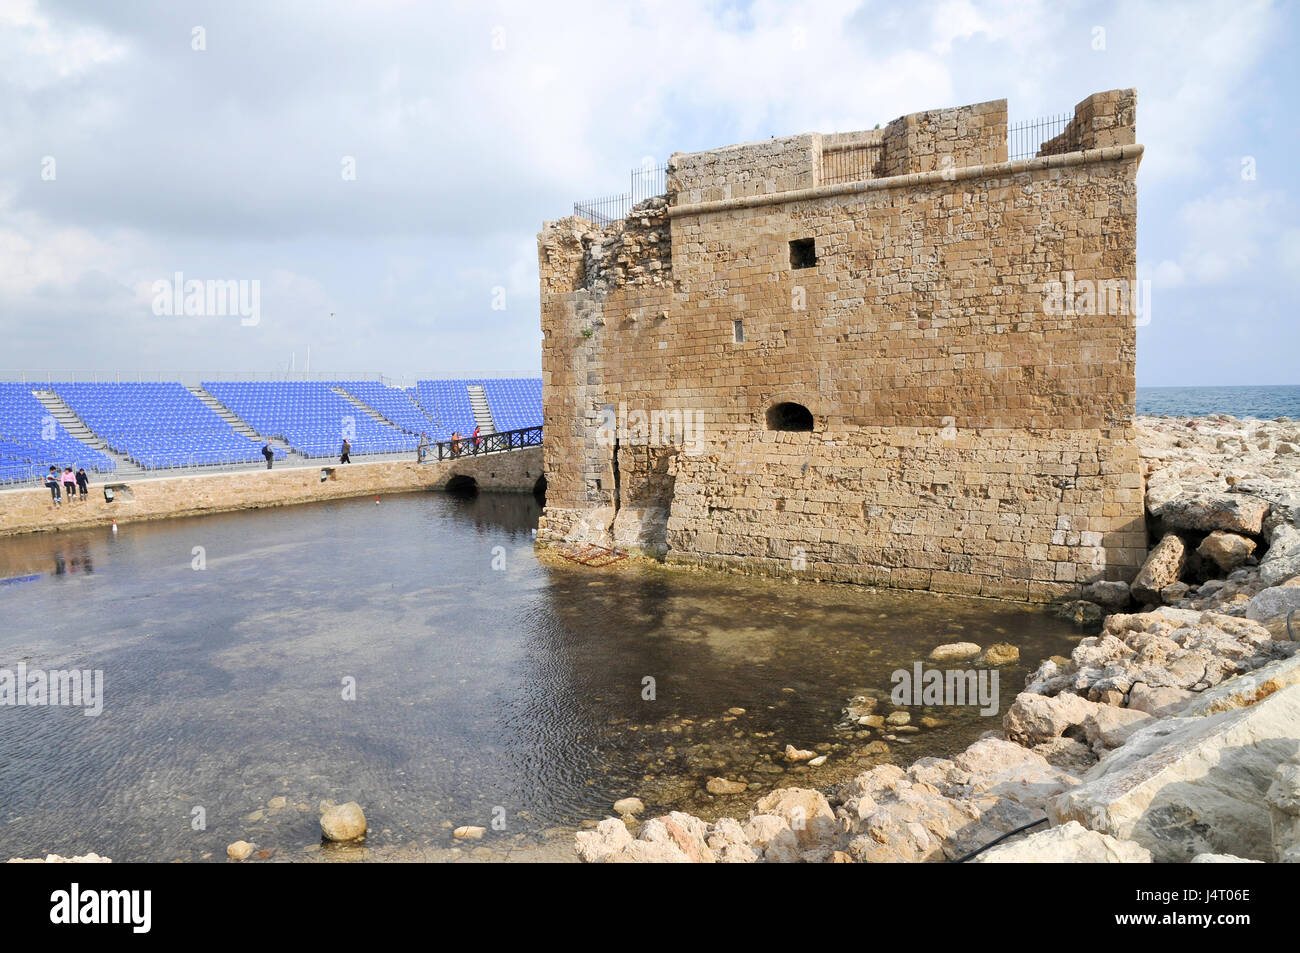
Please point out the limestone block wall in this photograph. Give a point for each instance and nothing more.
(946, 138)
(966, 436)
(1103, 119)
(30, 510)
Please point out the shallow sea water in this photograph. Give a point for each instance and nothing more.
(492, 688)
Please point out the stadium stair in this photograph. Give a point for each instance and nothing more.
(74, 425)
(292, 457)
(482, 413)
(376, 415)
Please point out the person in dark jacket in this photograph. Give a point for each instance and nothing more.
(83, 482)
(346, 455)
(268, 453)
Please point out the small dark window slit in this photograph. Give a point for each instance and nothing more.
(803, 253)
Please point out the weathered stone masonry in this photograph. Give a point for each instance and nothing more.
(965, 437)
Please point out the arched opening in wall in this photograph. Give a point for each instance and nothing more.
(539, 490)
(789, 416)
(465, 487)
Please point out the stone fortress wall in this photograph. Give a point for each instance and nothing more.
(967, 436)
(30, 510)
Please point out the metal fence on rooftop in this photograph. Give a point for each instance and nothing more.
(1026, 139)
(646, 182)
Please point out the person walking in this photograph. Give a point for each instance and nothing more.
(83, 483)
(69, 484)
(268, 453)
(52, 481)
(455, 443)
(345, 456)
(478, 441)
(422, 447)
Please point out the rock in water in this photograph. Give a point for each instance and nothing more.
(1109, 595)
(723, 786)
(239, 850)
(1162, 568)
(1004, 653)
(1228, 550)
(629, 805)
(469, 833)
(343, 822)
(954, 651)
(794, 754)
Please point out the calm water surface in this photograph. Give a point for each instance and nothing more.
(488, 684)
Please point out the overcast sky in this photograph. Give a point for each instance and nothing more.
(141, 138)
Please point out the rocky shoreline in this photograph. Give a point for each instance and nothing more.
(1172, 735)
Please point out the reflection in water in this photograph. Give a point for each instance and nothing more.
(485, 684)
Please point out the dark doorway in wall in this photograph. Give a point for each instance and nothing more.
(462, 486)
(789, 416)
(539, 490)
(803, 253)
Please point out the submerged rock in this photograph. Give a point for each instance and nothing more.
(954, 651)
(343, 822)
(1003, 653)
(724, 786)
(629, 805)
(240, 850)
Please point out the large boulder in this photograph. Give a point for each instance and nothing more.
(1244, 690)
(1108, 595)
(1109, 727)
(1162, 568)
(1033, 719)
(1226, 550)
(1208, 510)
(1274, 605)
(1185, 649)
(807, 812)
(1187, 786)
(1071, 843)
(675, 838)
(1283, 797)
(1282, 561)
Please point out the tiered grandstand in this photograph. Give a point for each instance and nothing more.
(144, 427)
(158, 425)
(31, 439)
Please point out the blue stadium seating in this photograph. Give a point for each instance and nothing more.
(393, 402)
(309, 416)
(159, 425)
(31, 440)
(515, 403)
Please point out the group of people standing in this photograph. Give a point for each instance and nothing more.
(458, 441)
(73, 484)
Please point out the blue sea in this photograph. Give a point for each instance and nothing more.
(1263, 402)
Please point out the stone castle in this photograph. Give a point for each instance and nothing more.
(889, 357)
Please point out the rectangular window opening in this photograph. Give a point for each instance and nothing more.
(803, 253)
(738, 331)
